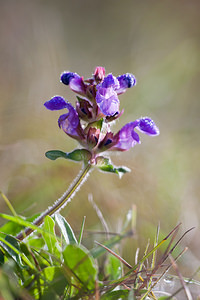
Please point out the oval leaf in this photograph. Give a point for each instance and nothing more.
(49, 236)
(80, 265)
(54, 154)
(65, 229)
(76, 155)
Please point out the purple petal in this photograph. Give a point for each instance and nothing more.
(148, 126)
(108, 101)
(74, 81)
(127, 137)
(109, 81)
(69, 122)
(77, 85)
(56, 103)
(126, 81)
(66, 77)
(135, 136)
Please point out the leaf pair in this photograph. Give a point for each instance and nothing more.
(103, 163)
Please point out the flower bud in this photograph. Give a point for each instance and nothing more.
(93, 137)
(99, 74)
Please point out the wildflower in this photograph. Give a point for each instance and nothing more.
(74, 81)
(108, 90)
(69, 122)
(127, 137)
(89, 121)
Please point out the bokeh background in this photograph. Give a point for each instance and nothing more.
(157, 41)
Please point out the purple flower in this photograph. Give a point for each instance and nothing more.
(148, 126)
(110, 81)
(125, 81)
(88, 123)
(106, 97)
(107, 100)
(127, 137)
(69, 122)
(74, 81)
(108, 90)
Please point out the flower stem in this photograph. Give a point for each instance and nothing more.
(58, 204)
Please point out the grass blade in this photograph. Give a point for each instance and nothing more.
(81, 232)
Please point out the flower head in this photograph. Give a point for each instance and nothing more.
(89, 122)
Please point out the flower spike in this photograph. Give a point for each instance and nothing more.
(90, 121)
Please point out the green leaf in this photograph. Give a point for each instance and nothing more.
(113, 267)
(13, 228)
(76, 155)
(54, 282)
(12, 253)
(35, 242)
(54, 154)
(9, 289)
(11, 247)
(2, 260)
(65, 229)
(104, 164)
(10, 228)
(20, 221)
(49, 236)
(81, 266)
(49, 285)
(24, 223)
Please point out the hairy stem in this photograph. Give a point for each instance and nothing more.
(58, 204)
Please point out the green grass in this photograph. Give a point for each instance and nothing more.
(52, 262)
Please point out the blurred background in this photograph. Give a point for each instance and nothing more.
(157, 41)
